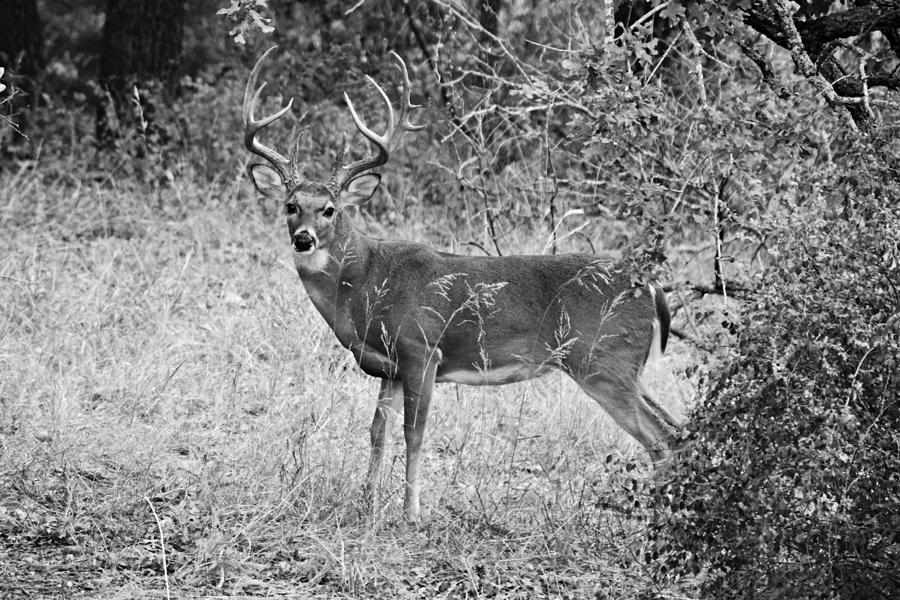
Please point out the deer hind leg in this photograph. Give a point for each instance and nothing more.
(659, 409)
(626, 403)
(418, 384)
(390, 397)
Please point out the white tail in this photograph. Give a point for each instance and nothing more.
(413, 316)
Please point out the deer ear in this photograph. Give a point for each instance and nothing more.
(360, 189)
(267, 181)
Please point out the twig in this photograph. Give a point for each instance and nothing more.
(17, 280)
(804, 63)
(647, 16)
(353, 8)
(477, 245)
(489, 214)
(734, 291)
(555, 240)
(863, 76)
(445, 91)
(162, 545)
(697, 51)
(865, 83)
(609, 26)
(720, 237)
(765, 67)
(473, 25)
(669, 48)
(686, 337)
(551, 171)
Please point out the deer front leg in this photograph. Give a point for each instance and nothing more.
(390, 397)
(418, 384)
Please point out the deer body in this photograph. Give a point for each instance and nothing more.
(479, 317)
(413, 316)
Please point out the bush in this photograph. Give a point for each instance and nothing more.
(790, 482)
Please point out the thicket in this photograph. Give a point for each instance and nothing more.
(789, 485)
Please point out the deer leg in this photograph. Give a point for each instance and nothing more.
(665, 415)
(389, 398)
(417, 387)
(626, 405)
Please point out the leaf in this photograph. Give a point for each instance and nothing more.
(230, 10)
(570, 65)
(673, 11)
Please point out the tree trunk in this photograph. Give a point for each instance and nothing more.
(488, 52)
(488, 18)
(142, 41)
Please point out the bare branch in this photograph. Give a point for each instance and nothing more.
(697, 51)
(766, 68)
(609, 23)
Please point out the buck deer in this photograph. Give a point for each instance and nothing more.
(413, 316)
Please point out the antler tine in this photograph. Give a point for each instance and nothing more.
(295, 153)
(338, 161)
(381, 141)
(384, 143)
(407, 105)
(253, 126)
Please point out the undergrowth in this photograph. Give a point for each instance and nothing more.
(166, 384)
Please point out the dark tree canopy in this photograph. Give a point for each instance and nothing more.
(21, 37)
(22, 52)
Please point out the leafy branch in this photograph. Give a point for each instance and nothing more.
(247, 16)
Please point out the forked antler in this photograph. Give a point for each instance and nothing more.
(253, 126)
(341, 173)
(289, 168)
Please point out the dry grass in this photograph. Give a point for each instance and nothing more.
(157, 350)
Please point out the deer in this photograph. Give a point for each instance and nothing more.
(413, 316)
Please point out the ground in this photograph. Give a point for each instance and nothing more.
(176, 420)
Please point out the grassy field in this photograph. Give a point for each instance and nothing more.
(176, 420)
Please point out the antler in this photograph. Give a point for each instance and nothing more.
(252, 126)
(341, 173)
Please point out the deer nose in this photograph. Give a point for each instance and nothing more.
(303, 241)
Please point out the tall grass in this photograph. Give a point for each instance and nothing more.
(157, 349)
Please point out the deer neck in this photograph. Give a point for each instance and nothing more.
(331, 275)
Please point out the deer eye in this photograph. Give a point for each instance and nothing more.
(328, 211)
(291, 208)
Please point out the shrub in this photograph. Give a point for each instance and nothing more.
(790, 483)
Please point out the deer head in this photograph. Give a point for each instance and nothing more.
(312, 207)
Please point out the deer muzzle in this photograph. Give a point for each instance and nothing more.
(304, 241)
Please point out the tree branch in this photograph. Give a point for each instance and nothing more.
(697, 57)
(815, 33)
(812, 41)
(765, 68)
(873, 16)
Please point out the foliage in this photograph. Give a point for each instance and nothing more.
(790, 484)
(848, 53)
(246, 16)
(564, 120)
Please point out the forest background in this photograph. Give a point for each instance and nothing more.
(176, 421)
